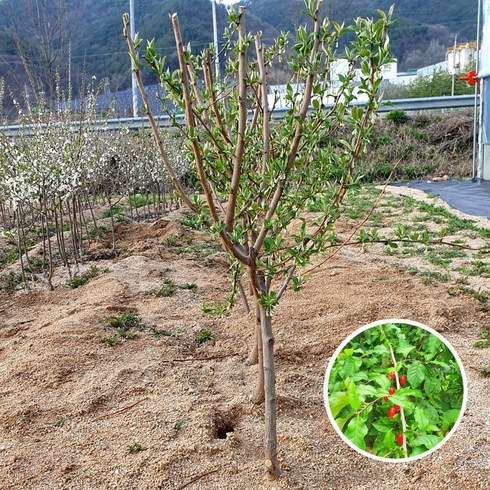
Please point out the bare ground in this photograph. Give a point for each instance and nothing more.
(71, 406)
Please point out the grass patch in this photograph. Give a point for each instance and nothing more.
(139, 200)
(124, 326)
(167, 289)
(10, 281)
(190, 220)
(8, 255)
(485, 338)
(178, 425)
(161, 333)
(203, 336)
(135, 448)
(191, 286)
(112, 211)
(80, 279)
(199, 250)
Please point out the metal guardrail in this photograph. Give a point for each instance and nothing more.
(136, 123)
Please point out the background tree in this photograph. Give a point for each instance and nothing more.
(272, 189)
(40, 34)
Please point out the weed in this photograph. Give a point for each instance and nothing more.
(178, 425)
(112, 211)
(161, 333)
(8, 255)
(213, 309)
(77, 280)
(485, 336)
(122, 252)
(110, 341)
(10, 280)
(92, 233)
(123, 324)
(199, 250)
(171, 242)
(486, 371)
(139, 200)
(80, 279)
(189, 285)
(203, 336)
(397, 116)
(472, 293)
(191, 221)
(60, 422)
(35, 265)
(135, 448)
(167, 289)
(126, 320)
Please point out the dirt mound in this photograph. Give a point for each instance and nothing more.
(160, 409)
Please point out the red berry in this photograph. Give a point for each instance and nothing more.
(385, 398)
(399, 439)
(392, 375)
(391, 412)
(403, 380)
(397, 408)
(391, 391)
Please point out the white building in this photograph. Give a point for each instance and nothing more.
(460, 57)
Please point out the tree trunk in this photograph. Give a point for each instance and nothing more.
(271, 463)
(259, 395)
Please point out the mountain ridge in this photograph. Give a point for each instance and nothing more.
(93, 30)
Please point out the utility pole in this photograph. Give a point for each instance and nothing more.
(215, 34)
(454, 64)
(133, 75)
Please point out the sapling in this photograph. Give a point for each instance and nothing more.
(258, 176)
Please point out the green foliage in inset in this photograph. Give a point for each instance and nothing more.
(430, 394)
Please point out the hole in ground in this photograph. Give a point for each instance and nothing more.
(223, 430)
(223, 423)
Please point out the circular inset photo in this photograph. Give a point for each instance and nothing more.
(395, 390)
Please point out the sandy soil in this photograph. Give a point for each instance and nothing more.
(71, 406)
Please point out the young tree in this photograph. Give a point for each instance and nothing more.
(272, 188)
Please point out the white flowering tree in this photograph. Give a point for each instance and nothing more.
(54, 173)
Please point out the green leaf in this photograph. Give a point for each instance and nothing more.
(382, 381)
(353, 396)
(380, 349)
(432, 347)
(418, 450)
(404, 348)
(356, 432)
(383, 424)
(416, 374)
(367, 390)
(337, 402)
(449, 418)
(432, 386)
(421, 419)
(341, 421)
(350, 367)
(428, 441)
(401, 400)
(389, 439)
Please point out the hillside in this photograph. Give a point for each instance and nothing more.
(92, 29)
